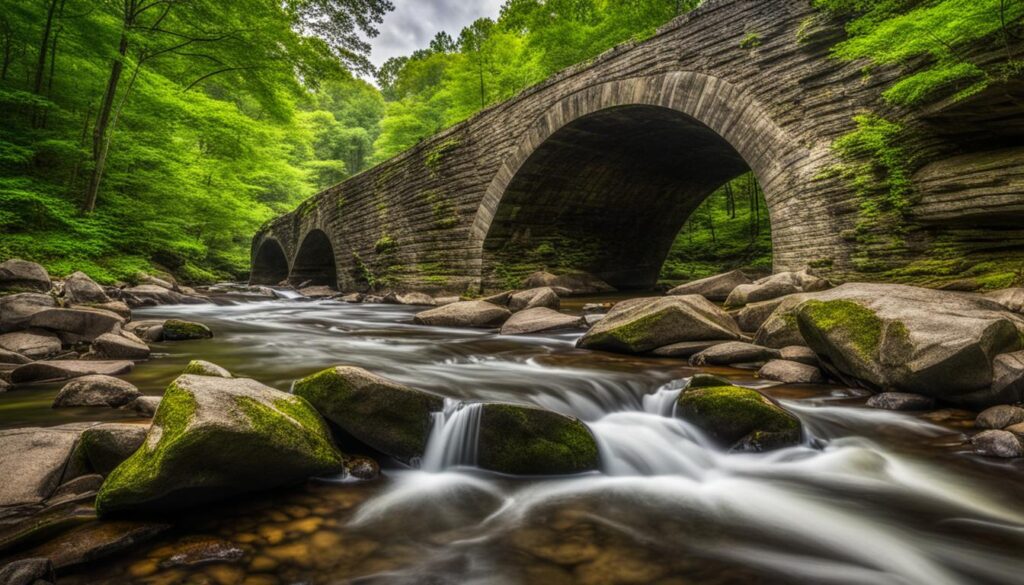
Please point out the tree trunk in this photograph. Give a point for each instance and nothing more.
(44, 45)
(100, 144)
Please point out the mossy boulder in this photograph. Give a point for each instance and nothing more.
(216, 437)
(385, 415)
(524, 440)
(641, 325)
(739, 418)
(178, 330)
(907, 339)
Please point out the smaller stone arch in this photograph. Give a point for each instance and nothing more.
(270, 265)
(315, 263)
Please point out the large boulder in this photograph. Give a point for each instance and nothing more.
(23, 276)
(734, 352)
(119, 346)
(540, 320)
(739, 418)
(216, 437)
(525, 440)
(178, 330)
(79, 289)
(108, 445)
(639, 326)
(478, 314)
(67, 369)
(96, 390)
(16, 310)
(33, 343)
(575, 283)
(713, 288)
(385, 415)
(533, 298)
(34, 461)
(907, 339)
(76, 325)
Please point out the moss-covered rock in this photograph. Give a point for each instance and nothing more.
(385, 415)
(215, 437)
(108, 445)
(204, 368)
(178, 330)
(524, 440)
(735, 417)
(641, 325)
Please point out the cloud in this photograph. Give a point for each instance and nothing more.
(414, 22)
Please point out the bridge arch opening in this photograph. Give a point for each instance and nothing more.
(270, 265)
(607, 193)
(315, 264)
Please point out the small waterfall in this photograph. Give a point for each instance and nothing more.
(286, 293)
(453, 436)
(663, 402)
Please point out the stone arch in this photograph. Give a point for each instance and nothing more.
(684, 133)
(270, 264)
(315, 262)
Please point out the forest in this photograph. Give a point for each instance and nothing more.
(159, 134)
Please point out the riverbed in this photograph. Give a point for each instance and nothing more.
(870, 497)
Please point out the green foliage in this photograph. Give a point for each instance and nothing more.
(751, 41)
(494, 60)
(876, 167)
(942, 32)
(730, 229)
(208, 139)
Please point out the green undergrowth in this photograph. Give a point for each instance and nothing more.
(728, 231)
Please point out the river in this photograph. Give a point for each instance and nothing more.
(871, 497)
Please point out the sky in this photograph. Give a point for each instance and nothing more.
(414, 22)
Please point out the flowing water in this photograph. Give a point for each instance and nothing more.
(871, 497)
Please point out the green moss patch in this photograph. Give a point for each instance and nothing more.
(859, 326)
(738, 417)
(521, 440)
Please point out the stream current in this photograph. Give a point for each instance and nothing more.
(871, 497)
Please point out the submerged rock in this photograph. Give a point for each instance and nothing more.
(108, 445)
(534, 298)
(713, 288)
(23, 276)
(789, 372)
(178, 330)
(204, 368)
(734, 352)
(479, 314)
(735, 417)
(16, 310)
(525, 440)
(645, 324)
(361, 467)
(96, 390)
(385, 415)
(215, 437)
(901, 401)
(35, 571)
(996, 443)
(539, 320)
(97, 540)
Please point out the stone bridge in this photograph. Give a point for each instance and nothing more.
(598, 168)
